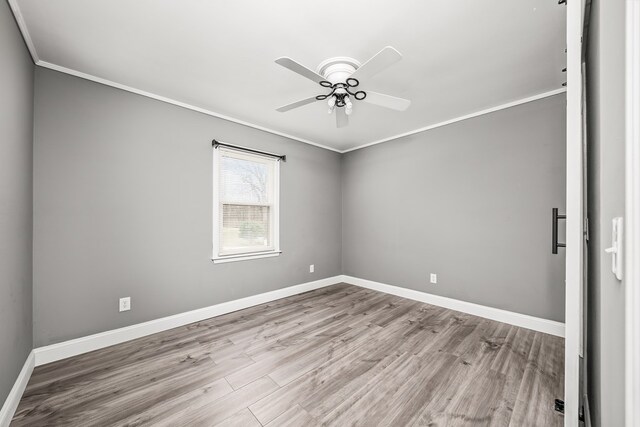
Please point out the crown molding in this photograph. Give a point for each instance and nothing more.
(13, 4)
(161, 98)
(461, 118)
(36, 59)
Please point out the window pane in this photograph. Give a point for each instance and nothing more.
(244, 181)
(245, 227)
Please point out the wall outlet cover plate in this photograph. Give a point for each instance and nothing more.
(125, 304)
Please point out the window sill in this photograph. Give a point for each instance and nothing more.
(245, 257)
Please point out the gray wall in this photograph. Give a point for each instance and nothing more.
(606, 308)
(471, 202)
(122, 207)
(16, 167)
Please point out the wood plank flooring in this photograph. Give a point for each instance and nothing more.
(338, 356)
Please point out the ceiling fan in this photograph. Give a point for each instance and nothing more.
(341, 76)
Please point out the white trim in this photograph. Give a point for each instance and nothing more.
(461, 118)
(244, 257)
(286, 135)
(517, 319)
(27, 37)
(175, 102)
(63, 350)
(246, 253)
(275, 217)
(575, 213)
(24, 30)
(13, 399)
(632, 213)
(215, 211)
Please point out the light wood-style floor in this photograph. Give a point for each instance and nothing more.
(337, 356)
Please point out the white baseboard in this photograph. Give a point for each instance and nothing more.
(525, 321)
(13, 399)
(63, 350)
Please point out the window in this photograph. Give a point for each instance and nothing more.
(245, 205)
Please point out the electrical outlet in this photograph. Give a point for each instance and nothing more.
(312, 268)
(433, 278)
(125, 304)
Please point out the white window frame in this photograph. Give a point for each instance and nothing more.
(217, 257)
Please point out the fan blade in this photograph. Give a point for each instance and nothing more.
(300, 69)
(342, 119)
(380, 61)
(296, 104)
(387, 101)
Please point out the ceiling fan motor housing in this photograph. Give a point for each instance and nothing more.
(338, 69)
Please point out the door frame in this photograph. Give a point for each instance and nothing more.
(632, 214)
(574, 213)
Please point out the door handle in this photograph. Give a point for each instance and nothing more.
(617, 247)
(555, 216)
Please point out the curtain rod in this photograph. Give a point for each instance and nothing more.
(217, 144)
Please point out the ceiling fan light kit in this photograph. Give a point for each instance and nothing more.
(342, 75)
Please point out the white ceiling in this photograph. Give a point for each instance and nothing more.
(459, 56)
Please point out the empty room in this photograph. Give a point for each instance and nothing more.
(341, 213)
